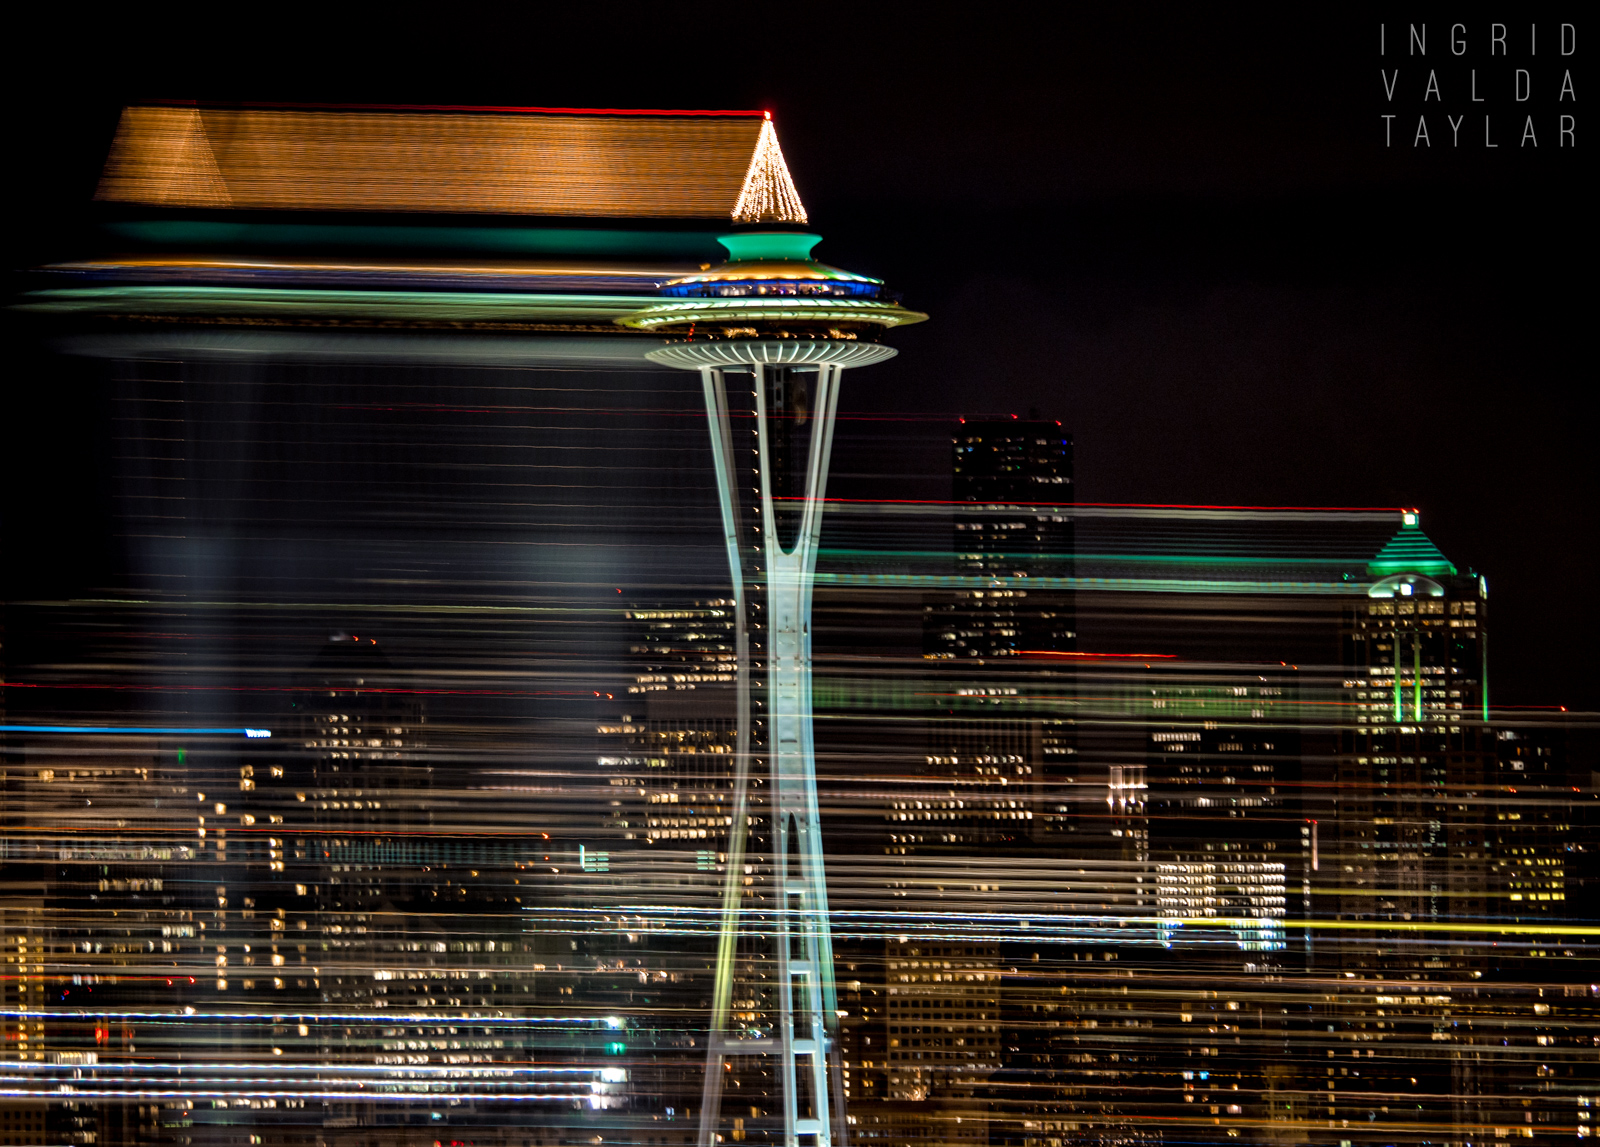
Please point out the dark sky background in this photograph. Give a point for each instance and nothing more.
(1180, 234)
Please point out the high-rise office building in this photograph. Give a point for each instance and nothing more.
(979, 788)
(670, 759)
(1218, 794)
(1530, 839)
(1415, 759)
(669, 766)
(1011, 482)
(1407, 850)
(986, 763)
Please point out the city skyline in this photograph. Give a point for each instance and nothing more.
(427, 729)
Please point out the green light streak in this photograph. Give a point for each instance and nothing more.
(1416, 675)
(1483, 683)
(691, 246)
(1399, 699)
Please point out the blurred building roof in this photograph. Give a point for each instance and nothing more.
(607, 164)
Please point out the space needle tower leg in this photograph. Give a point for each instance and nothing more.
(772, 576)
(807, 1011)
(716, 399)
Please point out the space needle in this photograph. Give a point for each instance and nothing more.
(771, 332)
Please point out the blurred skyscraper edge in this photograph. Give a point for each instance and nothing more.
(373, 782)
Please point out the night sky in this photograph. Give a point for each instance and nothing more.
(1180, 235)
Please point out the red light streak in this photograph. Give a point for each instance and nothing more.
(292, 689)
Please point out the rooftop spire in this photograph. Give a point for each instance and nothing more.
(1410, 550)
(768, 195)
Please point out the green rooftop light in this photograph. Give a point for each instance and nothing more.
(1409, 551)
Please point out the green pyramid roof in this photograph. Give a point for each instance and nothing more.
(1409, 551)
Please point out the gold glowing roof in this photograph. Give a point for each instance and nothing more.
(612, 165)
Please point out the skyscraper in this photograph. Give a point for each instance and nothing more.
(978, 789)
(1408, 850)
(1012, 485)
